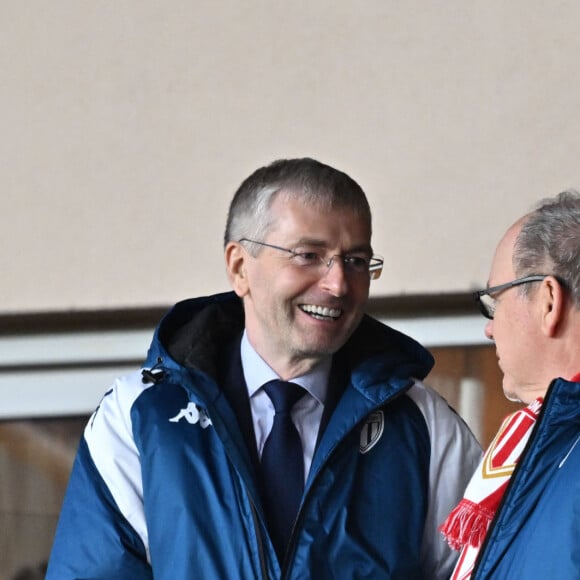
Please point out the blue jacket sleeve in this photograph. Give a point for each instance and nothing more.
(93, 539)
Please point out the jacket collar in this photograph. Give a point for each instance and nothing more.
(194, 332)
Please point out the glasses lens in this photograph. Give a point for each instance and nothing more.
(486, 305)
(375, 268)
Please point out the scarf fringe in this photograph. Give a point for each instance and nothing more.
(466, 524)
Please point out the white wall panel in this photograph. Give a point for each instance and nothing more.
(126, 127)
(67, 373)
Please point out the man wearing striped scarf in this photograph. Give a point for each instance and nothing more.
(520, 516)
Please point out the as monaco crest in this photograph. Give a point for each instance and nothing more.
(372, 431)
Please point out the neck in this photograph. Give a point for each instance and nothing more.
(290, 369)
(286, 367)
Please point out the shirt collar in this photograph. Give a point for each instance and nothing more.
(257, 372)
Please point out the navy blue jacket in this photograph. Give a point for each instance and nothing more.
(536, 531)
(164, 485)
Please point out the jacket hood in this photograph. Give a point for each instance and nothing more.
(195, 330)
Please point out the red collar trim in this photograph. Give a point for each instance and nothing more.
(575, 378)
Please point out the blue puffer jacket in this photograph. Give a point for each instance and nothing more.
(536, 532)
(163, 485)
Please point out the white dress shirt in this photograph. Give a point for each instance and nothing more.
(306, 413)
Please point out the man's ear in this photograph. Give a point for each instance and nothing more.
(551, 299)
(236, 258)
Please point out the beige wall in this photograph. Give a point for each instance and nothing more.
(127, 125)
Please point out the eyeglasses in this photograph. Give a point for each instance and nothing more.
(312, 260)
(487, 302)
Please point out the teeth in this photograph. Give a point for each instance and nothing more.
(321, 311)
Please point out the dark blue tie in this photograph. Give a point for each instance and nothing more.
(282, 465)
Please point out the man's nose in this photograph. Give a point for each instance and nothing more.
(488, 330)
(334, 278)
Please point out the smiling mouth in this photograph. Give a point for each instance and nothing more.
(321, 312)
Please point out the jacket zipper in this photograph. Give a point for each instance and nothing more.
(259, 539)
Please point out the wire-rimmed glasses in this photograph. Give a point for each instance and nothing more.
(487, 302)
(353, 264)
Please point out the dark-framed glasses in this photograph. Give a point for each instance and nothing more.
(316, 260)
(487, 302)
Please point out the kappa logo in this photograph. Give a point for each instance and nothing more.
(372, 431)
(193, 414)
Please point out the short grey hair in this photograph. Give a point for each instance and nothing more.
(314, 183)
(549, 242)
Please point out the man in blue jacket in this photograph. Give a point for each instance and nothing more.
(520, 514)
(276, 431)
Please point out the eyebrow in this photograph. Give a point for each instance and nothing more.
(323, 244)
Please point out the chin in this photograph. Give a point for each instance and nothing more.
(510, 394)
(319, 350)
(512, 398)
(325, 343)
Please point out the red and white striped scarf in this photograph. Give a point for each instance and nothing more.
(466, 526)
